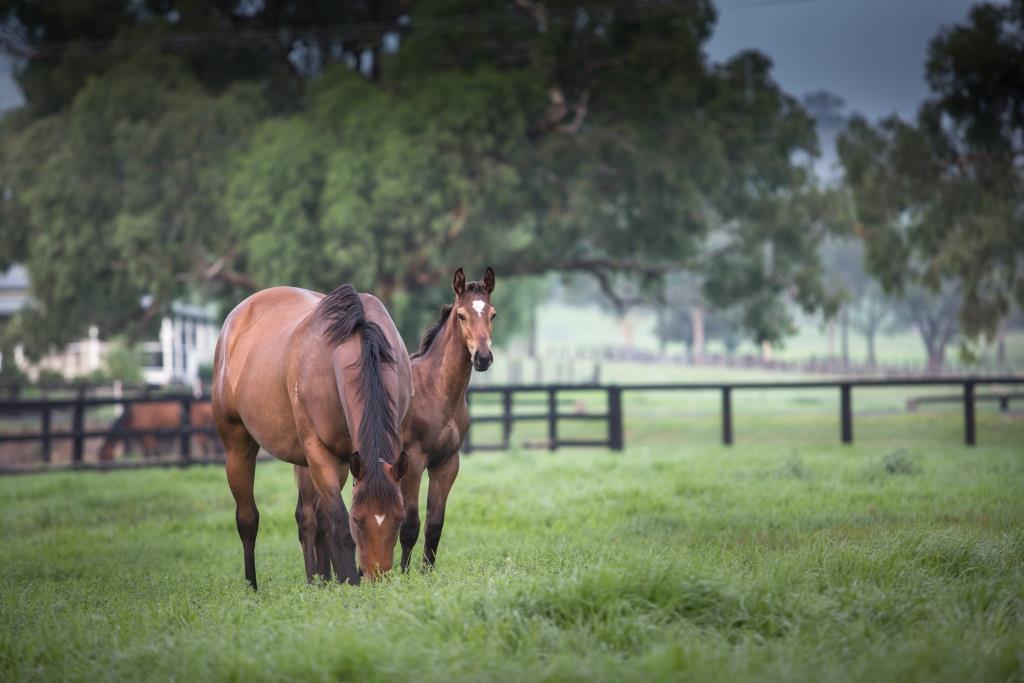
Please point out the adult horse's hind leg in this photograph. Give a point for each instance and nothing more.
(441, 479)
(323, 541)
(241, 451)
(305, 520)
(329, 476)
(312, 525)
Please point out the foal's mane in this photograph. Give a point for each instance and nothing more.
(343, 314)
(430, 334)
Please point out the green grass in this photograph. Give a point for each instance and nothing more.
(787, 557)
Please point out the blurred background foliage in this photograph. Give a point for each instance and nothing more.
(201, 150)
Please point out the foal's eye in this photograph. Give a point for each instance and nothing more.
(494, 315)
(462, 317)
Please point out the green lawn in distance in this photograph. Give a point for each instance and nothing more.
(779, 559)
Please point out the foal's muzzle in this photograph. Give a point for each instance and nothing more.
(482, 361)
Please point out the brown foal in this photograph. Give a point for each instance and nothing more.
(322, 382)
(458, 342)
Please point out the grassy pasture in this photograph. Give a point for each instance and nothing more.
(787, 557)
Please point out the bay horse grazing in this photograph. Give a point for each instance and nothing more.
(323, 382)
(158, 415)
(458, 342)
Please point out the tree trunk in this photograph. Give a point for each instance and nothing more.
(870, 335)
(1001, 346)
(627, 331)
(830, 339)
(697, 325)
(844, 336)
(533, 332)
(662, 332)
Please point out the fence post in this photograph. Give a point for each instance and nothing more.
(46, 434)
(846, 412)
(467, 444)
(616, 440)
(186, 429)
(552, 419)
(1004, 403)
(77, 428)
(969, 413)
(727, 416)
(506, 417)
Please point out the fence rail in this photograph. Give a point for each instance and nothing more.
(546, 410)
(79, 433)
(613, 417)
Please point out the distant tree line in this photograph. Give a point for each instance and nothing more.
(174, 150)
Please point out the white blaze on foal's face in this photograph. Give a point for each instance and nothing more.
(479, 305)
(379, 518)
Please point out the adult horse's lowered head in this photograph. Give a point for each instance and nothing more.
(322, 382)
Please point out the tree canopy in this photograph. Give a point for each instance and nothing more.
(939, 200)
(175, 149)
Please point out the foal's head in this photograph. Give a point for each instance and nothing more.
(376, 512)
(475, 316)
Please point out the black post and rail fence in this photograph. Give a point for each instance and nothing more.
(80, 432)
(615, 439)
(540, 403)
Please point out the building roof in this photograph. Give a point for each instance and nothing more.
(15, 277)
(13, 290)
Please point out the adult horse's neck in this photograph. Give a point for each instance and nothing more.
(448, 361)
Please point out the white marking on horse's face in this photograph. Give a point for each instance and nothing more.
(479, 306)
(379, 518)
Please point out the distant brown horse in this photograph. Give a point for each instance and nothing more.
(323, 382)
(160, 415)
(439, 417)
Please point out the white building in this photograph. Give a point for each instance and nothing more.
(186, 341)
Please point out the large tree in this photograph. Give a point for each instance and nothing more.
(233, 145)
(941, 198)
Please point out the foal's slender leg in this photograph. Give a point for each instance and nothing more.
(241, 451)
(329, 476)
(410, 529)
(442, 477)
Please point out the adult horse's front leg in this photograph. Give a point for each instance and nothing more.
(329, 475)
(442, 476)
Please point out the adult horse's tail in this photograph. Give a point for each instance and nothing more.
(343, 312)
(117, 429)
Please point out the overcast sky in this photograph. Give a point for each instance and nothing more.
(869, 52)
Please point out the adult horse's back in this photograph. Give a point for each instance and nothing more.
(322, 382)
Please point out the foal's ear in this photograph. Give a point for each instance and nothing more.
(459, 283)
(401, 466)
(355, 466)
(489, 280)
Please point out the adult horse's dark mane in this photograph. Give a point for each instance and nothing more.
(342, 312)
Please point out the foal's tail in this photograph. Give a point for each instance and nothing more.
(117, 428)
(343, 311)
